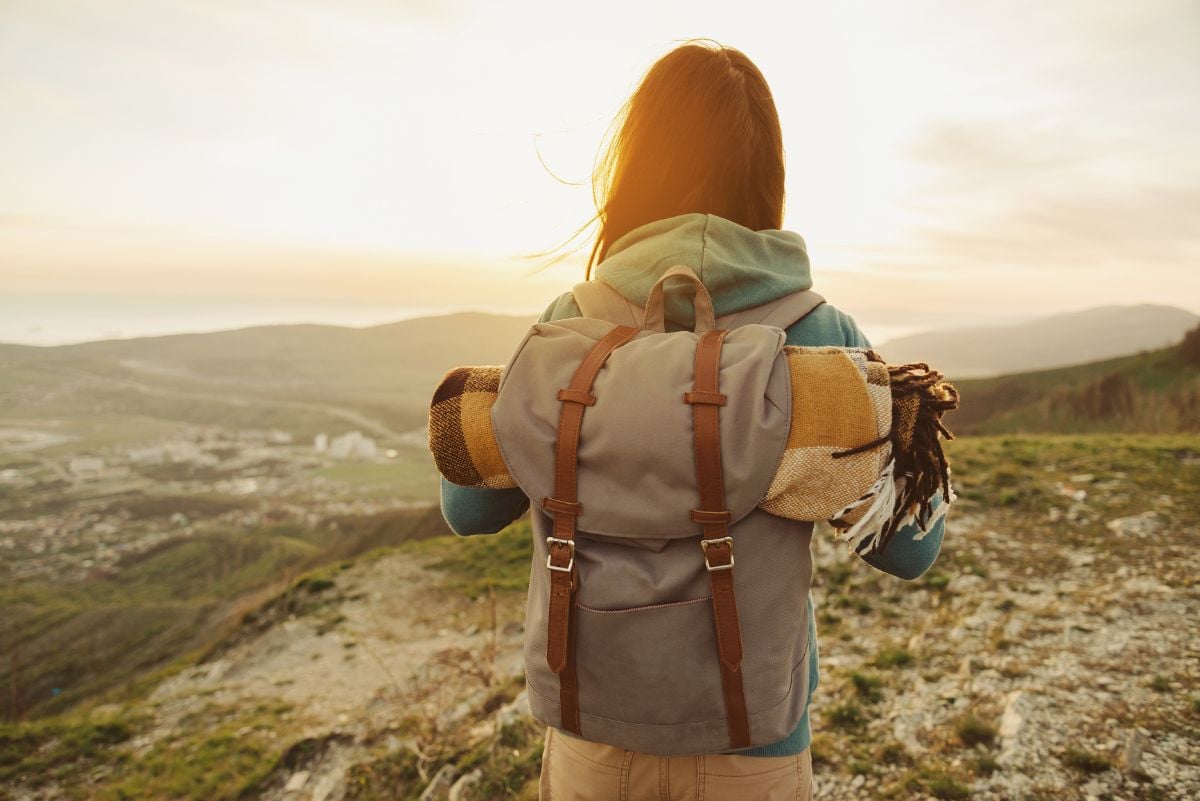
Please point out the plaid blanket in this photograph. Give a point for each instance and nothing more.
(868, 462)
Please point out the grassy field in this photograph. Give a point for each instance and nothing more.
(410, 476)
(1035, 479)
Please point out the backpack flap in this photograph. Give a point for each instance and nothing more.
(636, 463)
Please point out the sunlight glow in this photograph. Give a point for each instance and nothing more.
(916, 136)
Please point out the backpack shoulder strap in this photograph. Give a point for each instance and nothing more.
(600, 300)
(781, 312)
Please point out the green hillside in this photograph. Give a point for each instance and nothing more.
(67, 642)
(1153, 392)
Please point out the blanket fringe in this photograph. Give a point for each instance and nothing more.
(865, 534)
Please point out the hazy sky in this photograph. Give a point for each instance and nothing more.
(946, 160)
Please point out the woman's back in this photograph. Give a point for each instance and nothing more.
(694, 176)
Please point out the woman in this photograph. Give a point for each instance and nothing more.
(694, 175)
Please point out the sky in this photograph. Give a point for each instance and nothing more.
(196, 165)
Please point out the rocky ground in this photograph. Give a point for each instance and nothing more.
(1051, 653)
(1075, 677)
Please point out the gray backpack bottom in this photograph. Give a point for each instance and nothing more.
(645, 642)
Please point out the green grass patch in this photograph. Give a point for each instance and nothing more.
(866, 686)
(948, 788)
(972, 731)
(472, 565)
(985, 765)
(223, 760)
(846, 716)
(43, 751)
(893, 657)
(1086, 761)
(892, 753)
(391, 776)
(1127, 469)
(935, 580)
(938, 782)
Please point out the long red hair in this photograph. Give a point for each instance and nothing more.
(700, 134)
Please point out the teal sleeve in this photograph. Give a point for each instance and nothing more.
(906, 557)
(470, 510)
(826, 326)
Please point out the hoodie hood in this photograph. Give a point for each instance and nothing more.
(739, 267)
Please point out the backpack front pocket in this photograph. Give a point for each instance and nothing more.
(649, 664)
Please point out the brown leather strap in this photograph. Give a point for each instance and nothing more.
(565, 508)
(713, 517)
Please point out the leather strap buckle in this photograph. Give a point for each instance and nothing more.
(705, 545)
(551, 542)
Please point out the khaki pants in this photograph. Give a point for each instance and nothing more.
(580, 770)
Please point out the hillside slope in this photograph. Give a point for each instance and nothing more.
(68, 642)
(1155, 392)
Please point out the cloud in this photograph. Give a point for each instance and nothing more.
(997, 194)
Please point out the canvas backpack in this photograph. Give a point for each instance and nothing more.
(667, 612)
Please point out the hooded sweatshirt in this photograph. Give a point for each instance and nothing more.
(740, 268)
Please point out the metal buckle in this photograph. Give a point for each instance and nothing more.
(570, 546)
(704, 544)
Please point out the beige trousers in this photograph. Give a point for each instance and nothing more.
(580, 770)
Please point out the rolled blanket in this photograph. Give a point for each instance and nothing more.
(460, 429)
(863, 450)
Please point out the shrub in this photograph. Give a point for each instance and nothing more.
(866, 686)
(847, 716)
(973, 731)
(1086, 761)
(1190, 347)
(893, 657)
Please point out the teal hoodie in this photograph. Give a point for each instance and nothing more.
(740, 268)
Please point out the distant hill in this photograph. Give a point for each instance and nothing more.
(383, 374)
(310, 378)
(296, 353)
(1062, 339)
(1154, 392)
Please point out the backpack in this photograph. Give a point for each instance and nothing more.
(635, 636)
(667, 611)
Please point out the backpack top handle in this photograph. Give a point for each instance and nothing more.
(701, 301)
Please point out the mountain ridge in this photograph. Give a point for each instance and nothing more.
(1074, 337)
(1058, 340)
